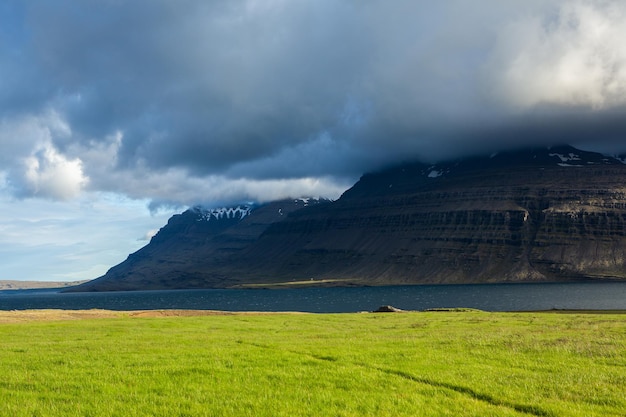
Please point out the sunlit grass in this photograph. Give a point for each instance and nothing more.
(408, 364)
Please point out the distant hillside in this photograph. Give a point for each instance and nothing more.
(27, 285)
(550, 214)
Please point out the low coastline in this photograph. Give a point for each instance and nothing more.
(18, 316)
(32, 285)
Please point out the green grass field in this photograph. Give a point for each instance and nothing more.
(409, 364)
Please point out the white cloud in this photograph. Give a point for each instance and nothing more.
(49, 174)
(33, 165)
(573, 56)
(176, 187)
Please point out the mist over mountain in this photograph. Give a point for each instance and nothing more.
(535, 215)
(243, 100)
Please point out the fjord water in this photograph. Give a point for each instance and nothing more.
(495, 297)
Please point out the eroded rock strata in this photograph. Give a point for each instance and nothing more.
(554, 214)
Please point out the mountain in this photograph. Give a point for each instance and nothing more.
(199, 248)
(549, 214)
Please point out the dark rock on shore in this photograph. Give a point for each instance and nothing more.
(387, 309)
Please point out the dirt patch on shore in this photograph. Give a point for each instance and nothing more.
(16, 316)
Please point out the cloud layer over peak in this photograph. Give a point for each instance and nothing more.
(247, 99)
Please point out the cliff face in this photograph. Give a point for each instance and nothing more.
(544, 215)
(540, 215)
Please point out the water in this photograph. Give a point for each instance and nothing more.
(497, 297)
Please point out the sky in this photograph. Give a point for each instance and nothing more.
(115, 114)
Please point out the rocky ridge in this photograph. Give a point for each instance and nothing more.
(556, 214)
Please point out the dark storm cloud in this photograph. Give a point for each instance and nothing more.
(198, 84)
(296, 89)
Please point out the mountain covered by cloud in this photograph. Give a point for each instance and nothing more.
(196, 101)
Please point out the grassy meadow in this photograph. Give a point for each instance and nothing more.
(407, 364)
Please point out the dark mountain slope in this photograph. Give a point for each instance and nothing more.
(548, 215)
(195, 249)
(536, 215)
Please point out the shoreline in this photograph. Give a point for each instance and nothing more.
(20, 316)
(16, 316)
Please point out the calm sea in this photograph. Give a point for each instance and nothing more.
(498, 297)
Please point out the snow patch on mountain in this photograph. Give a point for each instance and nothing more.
(435, 171)
(309, 200)
(238, 212)
(566, 158)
